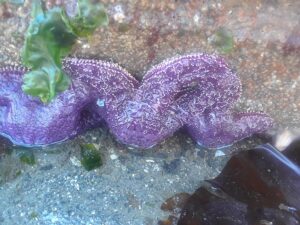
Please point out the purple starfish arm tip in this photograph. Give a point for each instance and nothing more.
(195, 91)
(216, 130)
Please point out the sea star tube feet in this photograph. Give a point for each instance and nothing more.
(196, 92)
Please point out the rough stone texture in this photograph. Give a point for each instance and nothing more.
(131, 186)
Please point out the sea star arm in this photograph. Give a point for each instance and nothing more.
(216, 130)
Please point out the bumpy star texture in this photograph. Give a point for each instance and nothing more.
(195, 92)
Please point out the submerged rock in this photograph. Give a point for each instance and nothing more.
(91, 157)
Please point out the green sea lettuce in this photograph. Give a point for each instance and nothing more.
(91, 157)
(50, 37)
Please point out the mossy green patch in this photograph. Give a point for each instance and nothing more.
(90, 157)
(18, 173)
(33, 215)
(26, 157)
(124, 27)
(223, 40)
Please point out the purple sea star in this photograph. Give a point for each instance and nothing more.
(195, 92)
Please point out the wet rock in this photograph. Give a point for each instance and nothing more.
(292, 44)
(171, 167)
(46, 167)
(175, 202)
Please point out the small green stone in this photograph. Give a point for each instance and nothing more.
(18, 173)
(90, 157)
(124, 27)
(223, 40)
(27, 157)
(33, 215)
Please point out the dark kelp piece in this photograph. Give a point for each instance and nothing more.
(256, 187)
(292, 151)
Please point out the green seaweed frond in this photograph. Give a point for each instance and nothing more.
(50, 37)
